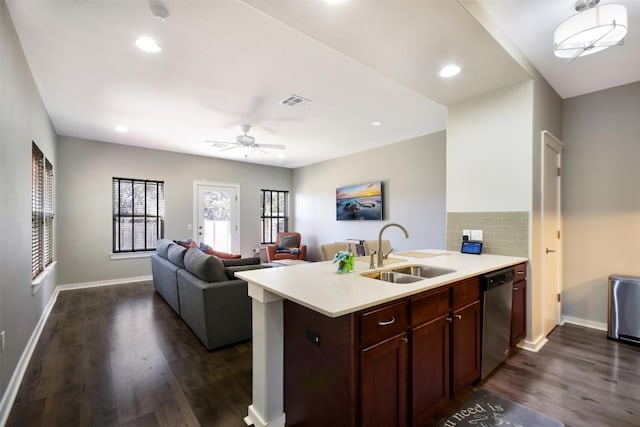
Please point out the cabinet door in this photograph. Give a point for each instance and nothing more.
(384, 382)
(465, 349)
(430, 368)
(519, 312)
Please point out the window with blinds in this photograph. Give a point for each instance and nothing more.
(42, 212)
(274, 216)
(138, 214)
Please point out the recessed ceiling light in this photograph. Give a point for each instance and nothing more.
(281, 156)
(148, 45)
(121, 129)
(376, 123)
(449, 71)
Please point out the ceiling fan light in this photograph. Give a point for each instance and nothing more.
(590, 31)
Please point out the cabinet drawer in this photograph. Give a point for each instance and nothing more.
(428, 307)
(465, 292)
(520, 272)
(383, 323)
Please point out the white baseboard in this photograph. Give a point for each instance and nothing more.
(18, 374)
(534, 345)
(584, 322)
(84, 285)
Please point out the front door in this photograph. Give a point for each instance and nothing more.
(551, 233)
(217, 216)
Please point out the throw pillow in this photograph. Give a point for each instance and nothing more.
(175, 254)
(206, 267)
(292, 241)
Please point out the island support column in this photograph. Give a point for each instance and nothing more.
(267, 407)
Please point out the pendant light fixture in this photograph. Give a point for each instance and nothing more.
(592, 29)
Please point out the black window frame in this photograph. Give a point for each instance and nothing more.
(273, 221)
(42, 212)
(151, 235)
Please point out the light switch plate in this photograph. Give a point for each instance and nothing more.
(476, 235)
(466, 233)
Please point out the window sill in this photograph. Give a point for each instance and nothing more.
(40, 278)
(131, 255)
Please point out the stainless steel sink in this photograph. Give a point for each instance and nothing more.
(423, 271)
(393, 277)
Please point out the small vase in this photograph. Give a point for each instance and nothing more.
(342, 267)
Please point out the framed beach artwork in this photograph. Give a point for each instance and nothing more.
(359, 202)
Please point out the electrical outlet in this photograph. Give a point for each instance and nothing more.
(476, 235)
(466, 234)
(2, 341)
(189, 227)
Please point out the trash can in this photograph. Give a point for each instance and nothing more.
(624, 308)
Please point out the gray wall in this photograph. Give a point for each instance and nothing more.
(84, 201)
(413, 175)
(23, 119)
(600, 195)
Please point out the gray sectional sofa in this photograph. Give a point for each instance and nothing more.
(204, 292)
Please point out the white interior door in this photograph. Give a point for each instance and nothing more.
(217, 216)
(551, 232)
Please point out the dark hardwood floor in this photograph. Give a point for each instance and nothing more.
(579, 377)
(119, 356)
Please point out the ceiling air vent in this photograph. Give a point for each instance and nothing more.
(295, 101)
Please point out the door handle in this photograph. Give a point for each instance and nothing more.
(457, 316)
(547, 250)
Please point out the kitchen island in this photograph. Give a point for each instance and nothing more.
(316, 289)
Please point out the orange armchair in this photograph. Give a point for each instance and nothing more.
(287, 247)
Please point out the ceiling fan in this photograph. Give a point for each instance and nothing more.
(245, 140)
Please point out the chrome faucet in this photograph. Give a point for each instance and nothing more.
(380, 254)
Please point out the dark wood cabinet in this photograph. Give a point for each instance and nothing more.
(430, 362)
(396, 364)
(445, 342)
(519, 305)
(384, 382)
(465, 348)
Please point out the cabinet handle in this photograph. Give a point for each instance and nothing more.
(404, 340)
(448, 319)
(457, 316)
(519, 272)
(515, 289)
(387, 322)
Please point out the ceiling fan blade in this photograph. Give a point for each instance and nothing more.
(274, 146)
(224, 145)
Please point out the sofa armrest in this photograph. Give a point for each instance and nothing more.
(241, 262)
(231, 271)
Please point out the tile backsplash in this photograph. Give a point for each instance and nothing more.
(505, 233)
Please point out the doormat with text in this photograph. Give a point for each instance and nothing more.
(484, 409)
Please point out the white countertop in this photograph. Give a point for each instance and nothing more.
(319, 287)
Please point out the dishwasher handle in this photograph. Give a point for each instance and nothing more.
(497, 278)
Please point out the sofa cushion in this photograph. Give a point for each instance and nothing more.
(289, 241)
(176, 255)
(162, 247)
(222, 255)
(206, 267)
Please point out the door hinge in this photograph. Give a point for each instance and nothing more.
(559, 171)
(559, 298)
(558, 234)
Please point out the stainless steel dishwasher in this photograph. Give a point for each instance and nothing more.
(497, 293)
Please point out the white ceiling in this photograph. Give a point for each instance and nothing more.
(228, 62)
